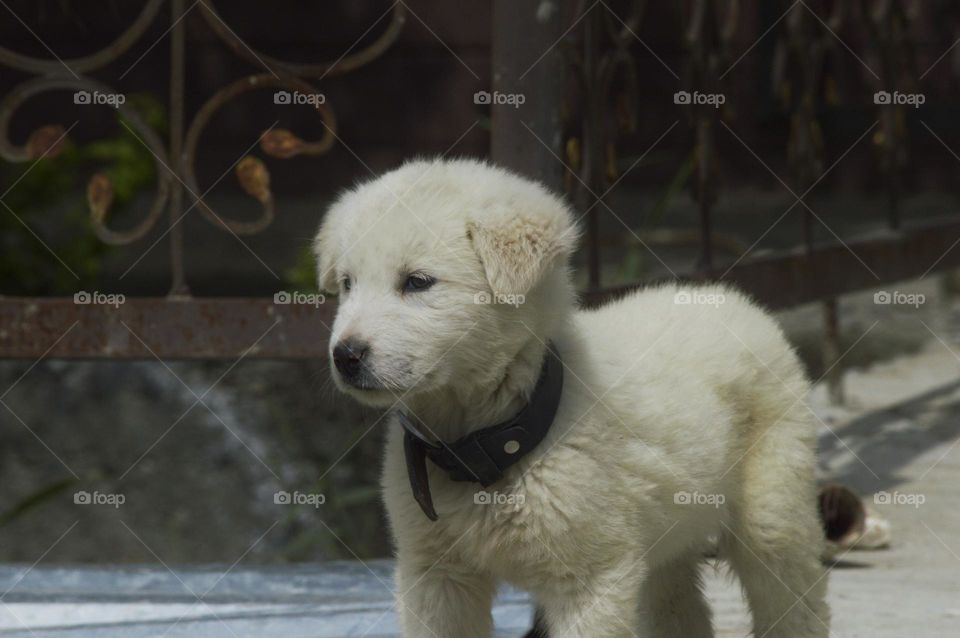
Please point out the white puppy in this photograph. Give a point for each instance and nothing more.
(680, 426)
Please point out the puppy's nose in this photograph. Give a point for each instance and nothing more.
(348, 355)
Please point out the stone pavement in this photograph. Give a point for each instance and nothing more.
(895, 443)
(898, 440)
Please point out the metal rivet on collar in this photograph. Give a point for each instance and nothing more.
(475, 457)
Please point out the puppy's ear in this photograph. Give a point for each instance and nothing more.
(324, 250)
(519, 245)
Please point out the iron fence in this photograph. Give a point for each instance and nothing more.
(587, 99)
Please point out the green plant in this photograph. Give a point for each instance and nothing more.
(302, 276)
(48, 198)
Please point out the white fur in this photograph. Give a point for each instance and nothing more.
(660, 399)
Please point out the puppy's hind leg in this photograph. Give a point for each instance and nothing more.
(672, 601)
(775, 539)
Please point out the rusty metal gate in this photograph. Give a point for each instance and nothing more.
(591, 45)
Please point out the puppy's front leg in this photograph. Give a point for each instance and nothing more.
(606, 606)
(444, 600)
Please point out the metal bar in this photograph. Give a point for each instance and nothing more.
(205, 328)
(831, 350)
(707, 38)
(594, 141)
(350, 61)
(221, 328)
(705, 148)
(177, 70)
(795, 277)
(523, 31)
(91, 62)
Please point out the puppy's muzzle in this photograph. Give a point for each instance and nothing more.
(348, 356)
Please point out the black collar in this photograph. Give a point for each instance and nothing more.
(484, 455)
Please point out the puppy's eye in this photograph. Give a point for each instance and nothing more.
(418, 282)
(345, 283)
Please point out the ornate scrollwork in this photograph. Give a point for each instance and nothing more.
(49, 139)
(345, 64)
(90, 62)
(254, 179)
(279, 143)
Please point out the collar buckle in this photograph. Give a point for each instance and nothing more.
(483, 455)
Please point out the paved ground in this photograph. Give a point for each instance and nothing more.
(900, 444)
(898, 438)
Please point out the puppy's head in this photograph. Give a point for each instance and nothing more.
(444, 270)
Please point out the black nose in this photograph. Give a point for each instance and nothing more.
(348, 356)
